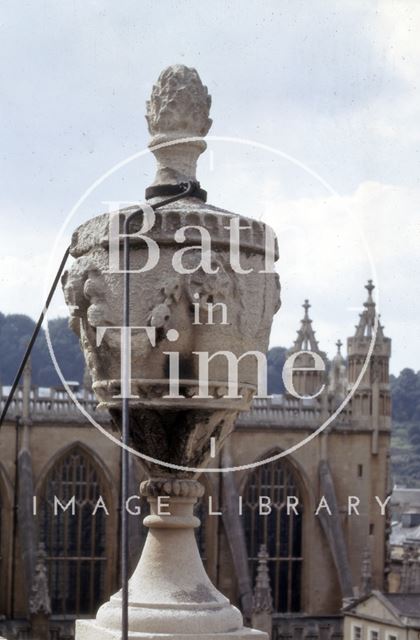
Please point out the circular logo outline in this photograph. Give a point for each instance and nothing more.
(257, 463)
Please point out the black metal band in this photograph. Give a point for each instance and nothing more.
(163, 190)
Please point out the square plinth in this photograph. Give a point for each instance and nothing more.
(90, 630)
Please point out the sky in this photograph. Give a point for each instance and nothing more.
(316, 130)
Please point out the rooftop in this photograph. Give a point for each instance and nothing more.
(407, 604)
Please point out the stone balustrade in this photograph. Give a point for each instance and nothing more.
(285, 411)
(52, 404)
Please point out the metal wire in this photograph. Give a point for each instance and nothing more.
(187, 189)
(33, 337)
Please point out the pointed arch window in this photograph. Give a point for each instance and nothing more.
(76, 545)
(280, 532)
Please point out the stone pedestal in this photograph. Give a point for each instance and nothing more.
(171, 315)
(88, 630)
(170, 594)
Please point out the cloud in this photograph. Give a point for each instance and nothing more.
(325, 248)
(326, 259)
(396, 42)
(25, 273)
(335, 89)
(399, 22)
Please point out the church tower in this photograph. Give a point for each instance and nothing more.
(307, 381)
(371, 403)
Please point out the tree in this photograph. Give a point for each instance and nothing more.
(15, 333)
(276, 358)
(406, 396)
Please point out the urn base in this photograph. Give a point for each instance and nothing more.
(90, 630)
(169, 593)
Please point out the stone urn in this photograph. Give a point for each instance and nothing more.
(203, 292)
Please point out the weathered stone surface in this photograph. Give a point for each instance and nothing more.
(39, 600)
(170, 594)
(178, 117)
(164, 299)
(179, 103)
(89, 630)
